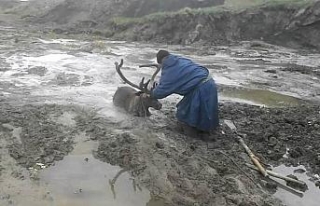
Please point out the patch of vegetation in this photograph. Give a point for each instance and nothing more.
(159, 16)
(250, 3)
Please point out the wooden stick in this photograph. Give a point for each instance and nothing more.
(253, 157)
(273, 174)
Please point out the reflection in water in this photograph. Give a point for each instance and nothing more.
(81, 180)
(259, 97)
(75, 181)
(310, 198)
(113, 181)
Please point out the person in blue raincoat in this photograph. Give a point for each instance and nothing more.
(198, 110)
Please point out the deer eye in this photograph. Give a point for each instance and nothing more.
(138, 93)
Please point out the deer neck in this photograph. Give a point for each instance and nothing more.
(138, 107)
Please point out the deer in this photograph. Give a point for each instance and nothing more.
(136, 102)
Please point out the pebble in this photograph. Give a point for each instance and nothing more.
(160, 145)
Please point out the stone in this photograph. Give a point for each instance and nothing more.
(272, 141)
(160, 145)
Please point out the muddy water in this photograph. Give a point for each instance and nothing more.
(81, 180)
(259, 97)
(67, 70)
(311, 197)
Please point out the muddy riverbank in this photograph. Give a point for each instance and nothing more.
(56, 110)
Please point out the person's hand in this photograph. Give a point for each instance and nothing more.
(148, 86)
(154, 85)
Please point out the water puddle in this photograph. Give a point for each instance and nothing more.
(259, 97)
(81, 180)
(311, 197)
(16, 186)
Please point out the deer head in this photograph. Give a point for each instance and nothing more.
(145, 100)
(143, 86)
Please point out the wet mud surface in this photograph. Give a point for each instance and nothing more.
(56, 102)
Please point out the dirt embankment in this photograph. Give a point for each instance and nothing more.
(89, 13)
(288, 25)
(294, 25)
(140, 8)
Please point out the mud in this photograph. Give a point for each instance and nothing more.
(55, 90)
(37, 133)
(170, 164)
(310, 196)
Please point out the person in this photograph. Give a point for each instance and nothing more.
(197, 112)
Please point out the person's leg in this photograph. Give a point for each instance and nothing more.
(188, 130)
(207, 135)
(208, 118)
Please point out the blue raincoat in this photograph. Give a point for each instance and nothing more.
(199, 106)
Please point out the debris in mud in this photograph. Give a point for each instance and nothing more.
(41, 165)
(300, 187)
(299, 171)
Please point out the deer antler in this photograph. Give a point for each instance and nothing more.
(158, 66)
(118, 67)
(143, 85)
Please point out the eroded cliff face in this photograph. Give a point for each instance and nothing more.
(73, 11)
(140, 8)
(292, 26)
(295, 26)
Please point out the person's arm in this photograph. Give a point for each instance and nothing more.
(162, 90)
(169, 83)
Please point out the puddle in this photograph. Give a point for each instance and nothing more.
(78, 180)
(259, 97)
(81, 180)
(16, 186)
(311, 197)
